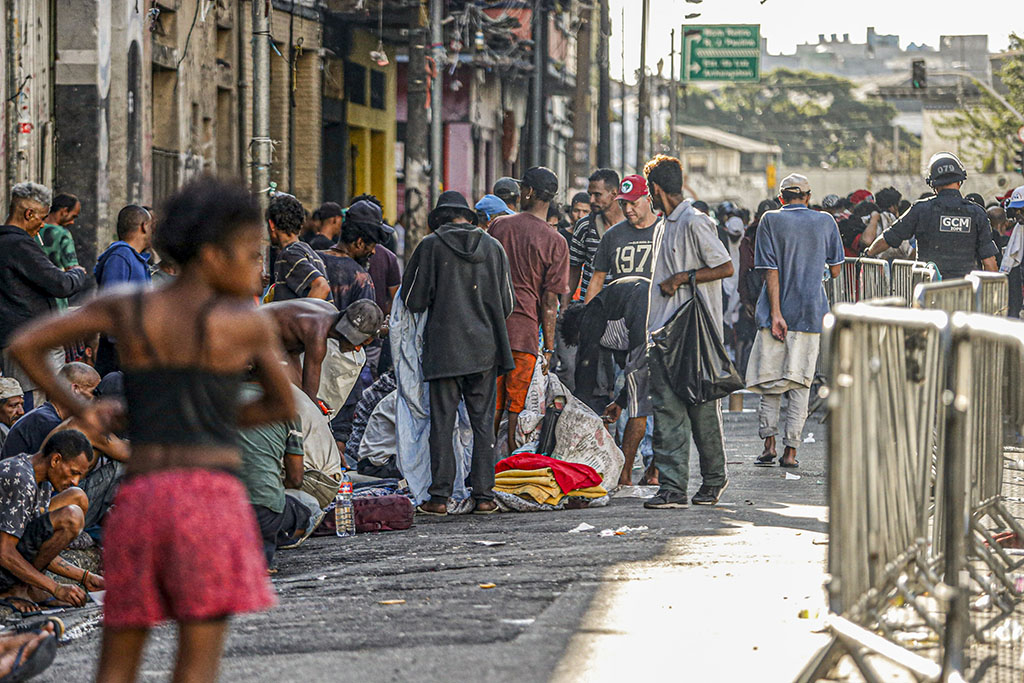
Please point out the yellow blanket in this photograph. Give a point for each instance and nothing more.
(540, 485)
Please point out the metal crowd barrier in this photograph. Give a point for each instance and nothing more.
(859, 279)
(991, 292)
(905, 276)
(902, 280)
(947, 295)
(978, 571)
(916, 453)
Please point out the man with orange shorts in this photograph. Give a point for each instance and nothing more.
(538, 260)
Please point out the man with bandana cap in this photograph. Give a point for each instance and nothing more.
(12, 405)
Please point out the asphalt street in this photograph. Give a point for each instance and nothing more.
(728, 593)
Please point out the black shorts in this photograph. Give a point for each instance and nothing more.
(37, 532)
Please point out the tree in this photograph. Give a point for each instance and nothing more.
(986, 130)
(816, 118)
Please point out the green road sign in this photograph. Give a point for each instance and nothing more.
(722, 52)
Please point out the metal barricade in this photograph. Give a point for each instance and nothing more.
(916, 448)
(979, 571)
(991, 292)
(888, 369)
(874, 278)
(901, 279)
(948, 295)
(859, 279)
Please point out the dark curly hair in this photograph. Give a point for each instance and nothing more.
(205, 211)
(666, 172)
(572, 319)
(287, 213)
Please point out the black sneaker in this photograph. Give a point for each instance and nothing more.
(709, 495)
(666, 500)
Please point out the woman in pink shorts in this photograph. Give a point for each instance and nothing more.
(181, 542)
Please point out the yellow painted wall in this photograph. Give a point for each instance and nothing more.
(372, 131)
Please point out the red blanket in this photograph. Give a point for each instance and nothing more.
(569, 475)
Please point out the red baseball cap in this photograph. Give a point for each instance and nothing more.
(632, 188)
(861, 195)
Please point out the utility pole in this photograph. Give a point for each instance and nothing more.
(581, 101)
(261, 146)
(604, 95)
(643, 105)
(622, 92)
(673, 103)
(417, 153)
(539, 62)
(436, 100)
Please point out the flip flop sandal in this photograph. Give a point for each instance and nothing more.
(794, 464)
(33, 665)
(765, 460)
(491, 511)
(423, 511)
(9, 604)
(59, 628)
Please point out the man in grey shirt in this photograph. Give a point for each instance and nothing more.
(686, 243)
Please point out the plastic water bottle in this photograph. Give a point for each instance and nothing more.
(344, 515)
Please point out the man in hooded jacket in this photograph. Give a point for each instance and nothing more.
(460, 275)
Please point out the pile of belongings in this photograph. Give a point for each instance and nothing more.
(528, 482)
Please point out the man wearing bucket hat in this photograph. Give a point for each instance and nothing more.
(952, 232)
(459, 275)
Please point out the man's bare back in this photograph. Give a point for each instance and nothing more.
(304, 326)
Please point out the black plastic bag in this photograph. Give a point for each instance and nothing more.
(546, 446)
(690, 349)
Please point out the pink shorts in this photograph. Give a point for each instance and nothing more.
(182, 545)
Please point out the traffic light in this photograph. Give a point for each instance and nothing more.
(918, 75)
(1018, 161)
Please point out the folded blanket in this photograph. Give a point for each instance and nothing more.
(569, 475)
(541, 486)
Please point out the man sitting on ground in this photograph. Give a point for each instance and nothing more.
(31, 541)
(100, 483)
(267, 451)
(12, 405)
(28, 434)
(305, 326)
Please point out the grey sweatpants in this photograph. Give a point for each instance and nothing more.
(770, 407)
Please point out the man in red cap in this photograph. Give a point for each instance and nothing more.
(626, 249)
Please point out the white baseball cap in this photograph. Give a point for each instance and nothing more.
(795, 182)
(1016, 199)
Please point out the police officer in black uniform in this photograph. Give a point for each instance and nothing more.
(952, 232)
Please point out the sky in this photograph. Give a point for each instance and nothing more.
(802, 21)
